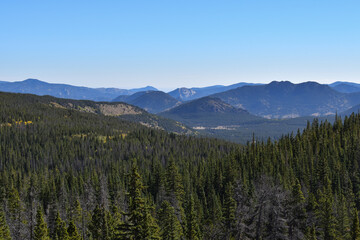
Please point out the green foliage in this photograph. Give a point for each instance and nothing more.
(355, 227)
(169, 224)
(229, 208)
(4, 228)
(304, 185)
(192, 230)
(60, 231)
(99, 226)
(73, 232)
(41, 231)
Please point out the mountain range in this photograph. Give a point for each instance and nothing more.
(345, 87)
(34, 86)
(151, 101)
(238, 112)
(288, 100)
(186, 94)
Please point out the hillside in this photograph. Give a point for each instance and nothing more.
(151, 101)
(92, 176)
(214, 118)
(288, 100)
(122, 111)
(34, 86)
(209, 112)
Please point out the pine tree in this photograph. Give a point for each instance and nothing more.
(173, 183)
(4, 228)
(343, 221)
(355, 227)
(150, 229)
(170, 225)
(99, 227)
(140, 223)
(296, 212)
(72, 231)
(16, 213)
(114, 220)
(229, 207)
(192, 230)
(311, 233)
(325, 212)
(41, 231)
(60, 231)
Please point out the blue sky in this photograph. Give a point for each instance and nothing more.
(170, 44)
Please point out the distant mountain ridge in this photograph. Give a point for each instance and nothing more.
(208, 112)
(345, 87)
(34, 86)
(287, 100)
(187, 94)
(151, 101)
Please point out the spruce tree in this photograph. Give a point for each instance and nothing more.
(355, 227)
(15, 208)
(192, 230)
(41, 231)
(140, 223)
(99, 227)
(170, 225)
(325, 213)
(72, 231)
(296, 212)
(228, 211)
(60, 231)
(311, 233)
(4, 228)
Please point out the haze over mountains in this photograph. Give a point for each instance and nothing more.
(288, 100)
(232, 112)
(38, 87)
(185, 94)
(151, 101)
(274, 100)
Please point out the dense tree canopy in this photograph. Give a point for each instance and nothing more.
(71, 175)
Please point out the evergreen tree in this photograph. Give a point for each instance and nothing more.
(192, 230)
(173, 183)
(15, 209)
(140, 223)
(296, 212)
(60, 231)
(150, 229)
(170, 225)
(41, 231)
(4, 228)
(99, 227)
(229, 207)
(325, 213)
(114, 220)
(355, 227)
(343, 221)
(72, 231)
(311, 233)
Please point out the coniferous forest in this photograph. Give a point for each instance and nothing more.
(70, 175)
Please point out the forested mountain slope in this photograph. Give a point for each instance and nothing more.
(69, 173)
(151, 101)
(116, 109)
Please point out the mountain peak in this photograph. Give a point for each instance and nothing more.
(206, 105)
(32, 81)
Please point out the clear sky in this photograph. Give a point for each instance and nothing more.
(179, 43)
